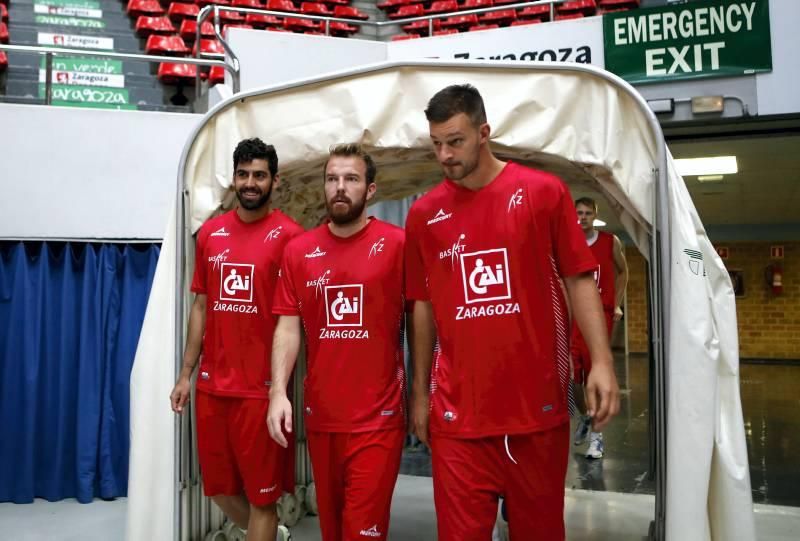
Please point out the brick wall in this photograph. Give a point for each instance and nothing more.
(769, 326)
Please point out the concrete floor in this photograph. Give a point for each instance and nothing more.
(606, 499)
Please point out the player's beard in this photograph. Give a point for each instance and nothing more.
(457, 170)
(253, 204)
(344, 217)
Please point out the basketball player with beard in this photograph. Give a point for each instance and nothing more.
(342, 283)
(231, 324)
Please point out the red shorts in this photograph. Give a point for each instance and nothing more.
(237, 455)
(470, 474)
(354, 475)
(581, 361)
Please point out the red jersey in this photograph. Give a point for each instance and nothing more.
(489, 262)
(349, 294)
(603, 251)
(236, 267)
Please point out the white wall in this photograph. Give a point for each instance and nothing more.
(778, 91)
(268, 58)
(75, 173)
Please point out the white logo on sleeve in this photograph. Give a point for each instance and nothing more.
(372, 532)
(316, 253)
(440, 217)
(236, 282)
(376, 248)
(516, 200)
(220, 233)
(217, 260)
(273, 234)
(485, 276)
(268, 489)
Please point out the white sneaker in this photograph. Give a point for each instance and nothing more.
(596, 446)
(582, 430)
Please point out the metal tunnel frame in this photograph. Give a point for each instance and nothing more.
(659, 279)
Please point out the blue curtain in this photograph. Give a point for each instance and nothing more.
(70, 316)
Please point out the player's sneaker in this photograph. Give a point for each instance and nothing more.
(582, 430)
(596, 447)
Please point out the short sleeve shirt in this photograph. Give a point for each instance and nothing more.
(348, 293)
(489, 261)
(236, 267)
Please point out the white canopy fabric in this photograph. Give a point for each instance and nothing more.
(568, 119)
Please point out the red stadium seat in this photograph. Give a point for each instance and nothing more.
(188, 30)
(413, 10)
(3, 61)
(461, 22)
(401, 37)
(153, 25)
(475, 4)
(315, 8)
(216, 75)
(341, 29)
(217, 2)
(254, 4)
(277, 29)
(151, 8)
(445, 32)
(614, 4)
(3, 13)
(523, 22)
(166, 45)
(336, 2)
(348, 12)
(171, 74)
(421, 27)
(177, 11)
(3, 33)
(504, 16)
(584, 7)
(297, 24)
(209, 46)
(442, 6)
(501, 2)
(281, 5)
(390, 4)
(572, 15)
(535, 12)
(259, 20)
(484, 27)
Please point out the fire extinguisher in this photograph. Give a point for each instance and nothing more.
(774, 276)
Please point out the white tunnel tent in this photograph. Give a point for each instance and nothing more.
(586, 125)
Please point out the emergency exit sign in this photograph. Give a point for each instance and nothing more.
(688, 41)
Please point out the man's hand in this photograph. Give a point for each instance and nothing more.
(602, 395)
(617, 313)
(278, 417)
(420, 412)
(180, 394)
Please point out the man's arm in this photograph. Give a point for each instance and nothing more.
(194, 345)
(422, 338)
(285, 347)
(620, 277)
(602, 392)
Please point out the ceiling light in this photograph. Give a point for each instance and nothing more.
(719, 165)
(662, 106)
(710, 178)
(708, 104)
(598, 223)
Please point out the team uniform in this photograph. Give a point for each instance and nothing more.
(489, 261)
(604, 273)
(349, 295)
(236, 267)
